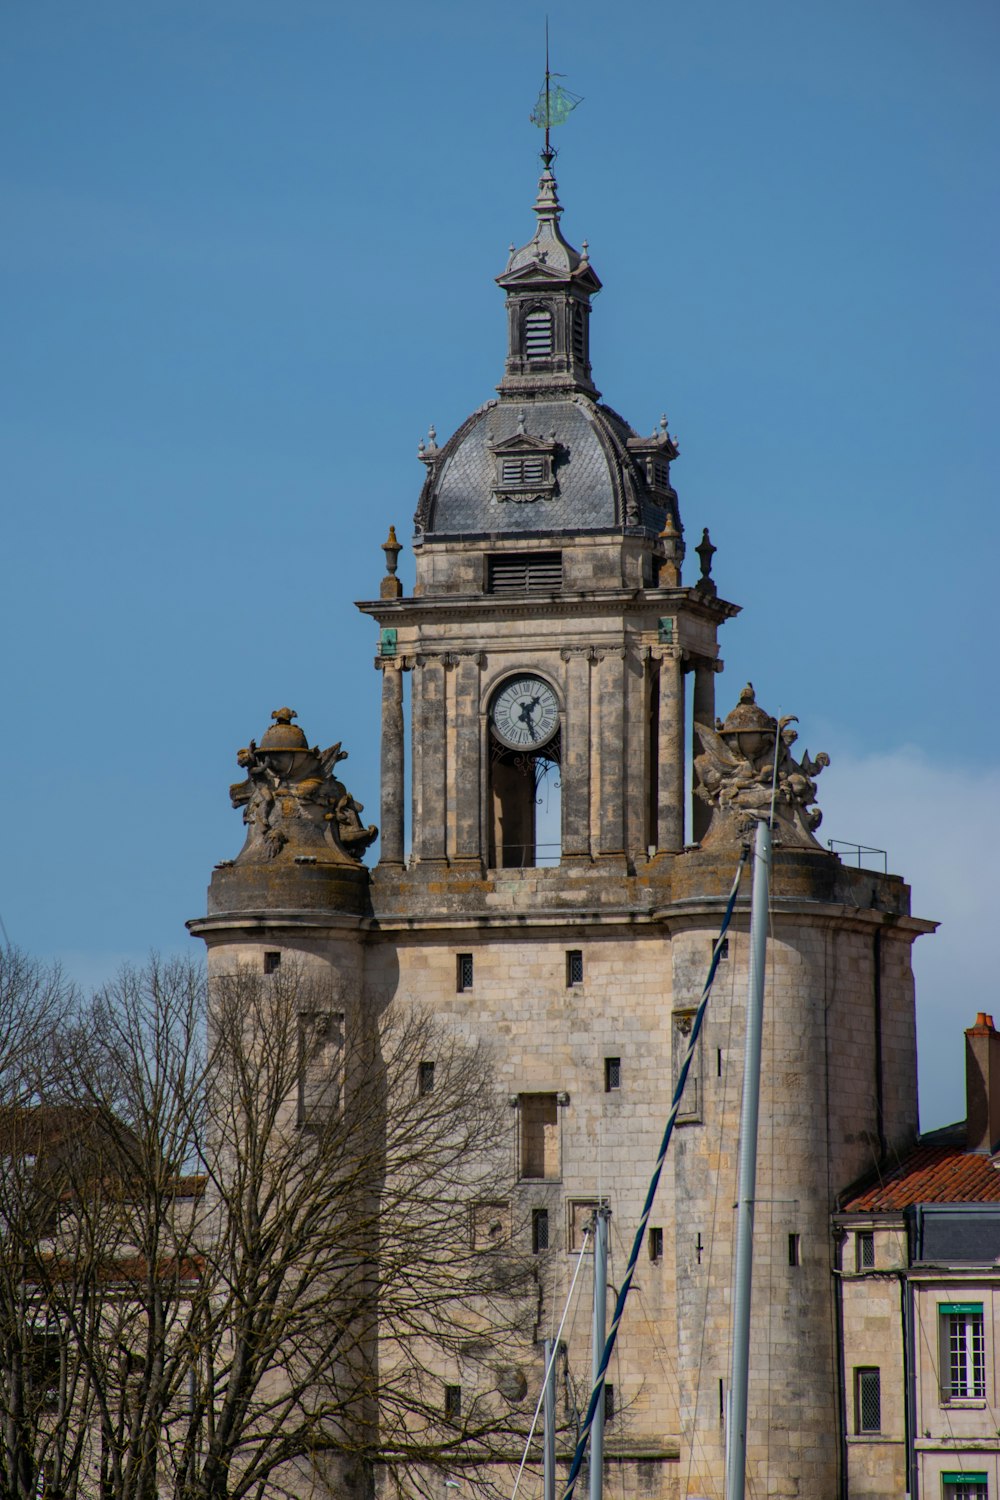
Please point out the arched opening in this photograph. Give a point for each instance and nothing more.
(524, 756)
(525, 806)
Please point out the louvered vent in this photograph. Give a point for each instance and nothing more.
(538, 334)
(530, 573)
(522, 471)
(579, 335)
(661, 475)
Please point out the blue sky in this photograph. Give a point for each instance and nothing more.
(248, 252)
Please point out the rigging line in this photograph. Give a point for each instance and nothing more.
(597, 1394)
(552, 1360)
(729, 1075)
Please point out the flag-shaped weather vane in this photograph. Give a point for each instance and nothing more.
(554, 105)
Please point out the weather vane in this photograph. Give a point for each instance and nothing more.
(554, 104)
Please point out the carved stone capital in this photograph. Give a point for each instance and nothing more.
(392, 664)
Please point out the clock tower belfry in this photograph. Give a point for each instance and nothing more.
(549, 635)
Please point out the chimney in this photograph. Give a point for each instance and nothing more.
(982, 1085)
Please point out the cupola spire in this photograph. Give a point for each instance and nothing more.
(548, 283)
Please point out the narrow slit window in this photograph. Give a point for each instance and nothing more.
(452, 1402)
(425, 1078)
(723, 949)
(539, 1230)
(579, 335)
(868, 1400)
(612, 1074)
(272, 962)
(794, 1250)
(656, 1244)
(538, 334)
(609, 1402)
(463, 978)
(574, 967)
(864, 1250)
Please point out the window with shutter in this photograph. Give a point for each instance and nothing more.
(538, 334)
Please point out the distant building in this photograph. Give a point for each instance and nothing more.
(919, 1280)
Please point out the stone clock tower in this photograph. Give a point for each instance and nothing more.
(554, 656)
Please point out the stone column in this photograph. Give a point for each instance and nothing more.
(574, 773)
(704, 713)
(467, 835)
(612, 733)
(429, 734)
(670, 736)
(393, 761)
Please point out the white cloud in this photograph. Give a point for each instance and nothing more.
(940, 824)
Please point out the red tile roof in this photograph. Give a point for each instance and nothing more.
(932, 1174)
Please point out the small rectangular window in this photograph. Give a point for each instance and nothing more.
(609, 1402)
(867, 1400)
(655, 1244)
(612, 1074)
(272, 962)
(463, 980)
(425, 1078)
(723, 949)
(539, 1230)
(793, 1250)
(864, 1250)
(574, 967)
(452, 1402)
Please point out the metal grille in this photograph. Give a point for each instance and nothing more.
(538, 334)
(868, 1399)
(574, 966)
(539, 1229)
(453, 1402)
(522, 471)
(425, 1077)
(966, 1362)
(464, 971)
(865, 1250)
(525, 573)
(612, 1074)
(656, 1244)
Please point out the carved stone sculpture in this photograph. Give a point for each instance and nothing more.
(294, 807)
(746, 762)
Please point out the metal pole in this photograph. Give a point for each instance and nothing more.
(601, 1218)
(549, 1421)
(736, 1437)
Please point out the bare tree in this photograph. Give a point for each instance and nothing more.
(269, 1246)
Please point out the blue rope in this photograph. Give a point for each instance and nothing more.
(597, 1394)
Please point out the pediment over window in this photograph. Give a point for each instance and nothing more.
(525, 468)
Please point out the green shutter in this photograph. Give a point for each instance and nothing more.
(387, 642)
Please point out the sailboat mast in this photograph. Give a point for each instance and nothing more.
(736, 1436)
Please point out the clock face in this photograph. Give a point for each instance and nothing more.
(525, 713)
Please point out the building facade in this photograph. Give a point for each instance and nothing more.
(556, 659)
(919, 1281)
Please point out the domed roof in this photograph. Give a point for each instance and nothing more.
(596, 483)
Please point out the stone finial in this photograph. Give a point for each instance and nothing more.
(671, 540)
(391, 587)
(747, 764)
(705, 551)
(294, 807)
